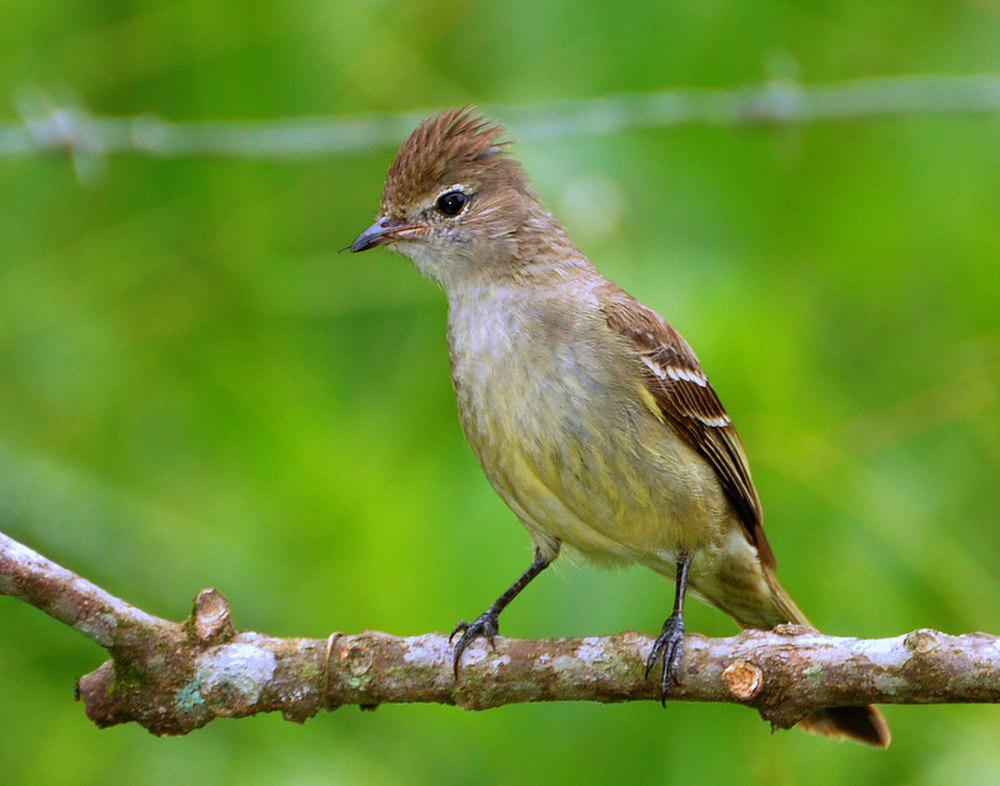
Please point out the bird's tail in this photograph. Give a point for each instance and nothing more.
(863, 724)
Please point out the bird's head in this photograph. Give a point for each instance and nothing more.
(453, 200)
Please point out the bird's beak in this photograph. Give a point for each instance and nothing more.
(383, 231)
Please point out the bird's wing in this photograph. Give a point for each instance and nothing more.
(685, 398)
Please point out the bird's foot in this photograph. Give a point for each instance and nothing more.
(668, 648)
(486, 624)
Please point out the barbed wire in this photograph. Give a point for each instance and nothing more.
(47, 127)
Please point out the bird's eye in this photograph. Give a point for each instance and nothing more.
(451, 203)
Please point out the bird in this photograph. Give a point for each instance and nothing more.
(590, 415)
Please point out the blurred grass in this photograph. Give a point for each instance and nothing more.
(196, 390)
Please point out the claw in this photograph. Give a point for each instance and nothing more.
(461, 626)
(486, 625)
(668, 648)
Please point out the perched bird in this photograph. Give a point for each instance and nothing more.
(589, 413)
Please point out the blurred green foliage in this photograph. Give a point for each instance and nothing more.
(195, 390)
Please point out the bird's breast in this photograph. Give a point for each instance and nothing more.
(521, 368)
(550, 404)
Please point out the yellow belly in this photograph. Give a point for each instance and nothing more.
(605, 477)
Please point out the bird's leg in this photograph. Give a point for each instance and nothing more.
(487, 624)
(670, 643)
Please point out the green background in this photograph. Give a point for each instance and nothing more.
(196, 390)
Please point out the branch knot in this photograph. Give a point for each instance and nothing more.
(744, 679)
(210, 617)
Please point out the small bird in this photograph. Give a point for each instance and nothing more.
(589, 413)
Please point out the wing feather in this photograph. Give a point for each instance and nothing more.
(672, 374)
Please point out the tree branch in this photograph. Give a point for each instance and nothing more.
(175, 677)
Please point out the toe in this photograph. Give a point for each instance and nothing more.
(664, 687)
(675, 662)
(654, 654)
(456, 655)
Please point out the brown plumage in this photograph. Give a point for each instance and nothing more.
(589, 413)
(449, 148)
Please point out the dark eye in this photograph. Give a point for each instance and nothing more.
(451, 204)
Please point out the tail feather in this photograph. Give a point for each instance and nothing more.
(862, 724)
